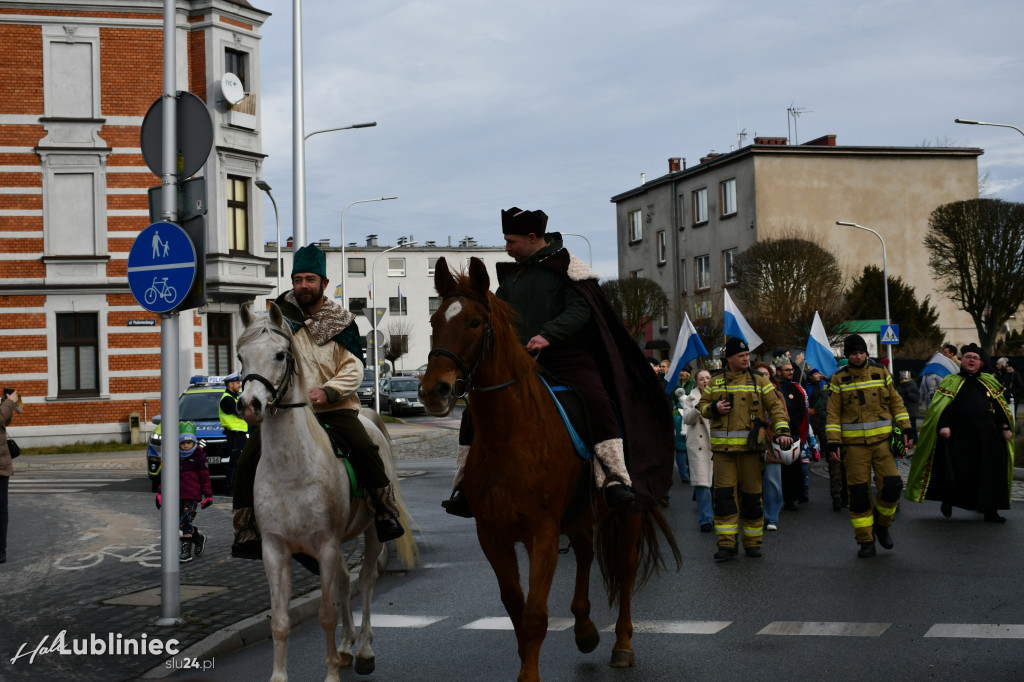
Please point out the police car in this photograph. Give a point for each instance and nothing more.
(199, 404)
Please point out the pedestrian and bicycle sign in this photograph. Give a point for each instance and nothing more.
(161, 267)
(890, 334)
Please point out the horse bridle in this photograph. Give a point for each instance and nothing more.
(278, 393)
(468, 372)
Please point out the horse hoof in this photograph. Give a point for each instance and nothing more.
(346, 660)
(365, 666)
(588, 641)
(622, 658)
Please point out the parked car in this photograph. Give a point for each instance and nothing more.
(197, 403)
(365, 390)
(400, 395)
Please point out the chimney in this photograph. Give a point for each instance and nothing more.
(289, 243)
(371, 240)
(823, 141)
(643, 178)
(711, 155)
(777, 141)
(673, 164)
(325, 243)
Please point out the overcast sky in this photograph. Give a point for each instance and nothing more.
(561, 104)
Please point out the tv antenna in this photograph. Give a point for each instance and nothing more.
(794, 112)
(740, 136)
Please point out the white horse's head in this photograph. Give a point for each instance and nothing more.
(269, 371)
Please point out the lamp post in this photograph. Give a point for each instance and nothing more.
(590, 250)
(969, 122)
(344, 263)
(373, 307)
(885, 282)
(262, 184)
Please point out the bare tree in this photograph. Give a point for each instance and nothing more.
(976, 250)
(782, 282)
(637, 300)
(397, 342)
(705, 312)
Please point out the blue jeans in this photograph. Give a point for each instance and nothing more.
(771, 485)
(684, 466)
(705, 509)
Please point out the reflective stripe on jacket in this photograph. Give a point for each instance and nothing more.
(752, 395)
(863, 403)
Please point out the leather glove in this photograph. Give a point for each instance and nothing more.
(159, 500)
(207, 501)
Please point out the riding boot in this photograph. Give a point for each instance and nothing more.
(616, 483)
(386, 510)
(247, 544)
(457, 505)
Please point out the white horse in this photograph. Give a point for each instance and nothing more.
(302, 494)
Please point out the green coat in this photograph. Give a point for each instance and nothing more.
(921, 466)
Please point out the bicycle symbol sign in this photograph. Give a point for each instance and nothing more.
(161, 267)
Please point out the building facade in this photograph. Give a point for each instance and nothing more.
(75, 84)
(404, 281)
(684, 229)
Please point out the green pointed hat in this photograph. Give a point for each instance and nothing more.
(187, 431)
(310, 259)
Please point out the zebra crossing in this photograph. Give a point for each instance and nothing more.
(36, 484)
(714, 627)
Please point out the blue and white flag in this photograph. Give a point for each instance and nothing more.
(941, 365)
(688, 347)
(819, 351)
(736, 325)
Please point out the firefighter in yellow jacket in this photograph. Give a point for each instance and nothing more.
(863, 404)
(737, 402)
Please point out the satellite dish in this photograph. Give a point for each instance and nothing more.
(231, 88)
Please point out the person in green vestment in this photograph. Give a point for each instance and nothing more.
(964, 457)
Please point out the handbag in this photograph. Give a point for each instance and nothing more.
(13, 448)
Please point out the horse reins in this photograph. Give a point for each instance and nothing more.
(278, 393)
(469, 372)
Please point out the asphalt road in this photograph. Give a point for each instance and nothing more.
(945, 604)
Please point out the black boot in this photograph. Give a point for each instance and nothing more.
(867, 550)
(726, 554)
(198, 542)
(618, 496)
(458, 505)
(994, 517)
(247, 544)
(753, 552)
(946, 509)
(883, 536)
(388, 529)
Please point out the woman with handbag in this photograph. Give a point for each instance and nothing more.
(8, 407)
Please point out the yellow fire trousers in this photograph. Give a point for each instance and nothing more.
(737, 498)
(860, 461)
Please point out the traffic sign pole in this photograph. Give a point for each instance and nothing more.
(170, 570)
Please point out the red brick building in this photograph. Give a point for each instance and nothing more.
(76, 81)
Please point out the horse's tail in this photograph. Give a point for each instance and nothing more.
(408, 552)
(649, 557)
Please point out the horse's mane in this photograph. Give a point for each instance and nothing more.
(263, 325)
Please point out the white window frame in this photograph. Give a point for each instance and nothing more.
(702, 272)
(682, 211)
(354, 272)
(728, 196)
(729, 266)
(431, 265)
(700, 206)
(662, 247)
(636, 226)
(396, 266)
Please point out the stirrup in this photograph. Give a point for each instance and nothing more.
(458, 505)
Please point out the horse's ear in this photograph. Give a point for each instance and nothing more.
(246, 313)
(478, 276)
(443, 280)
(276, 317)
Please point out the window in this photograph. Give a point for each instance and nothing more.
(636, 228)
(431, 266)
(728, 267)
(77, 354)
(357, 267)
(218, 344)
(662, 247)
(700, 206)
(702, 272)
(682, 211)
(682, 276)
(729, 197)
(399, 343)
(238, 214)
(396, 267)
(634, 274)
(235, 62)
(434, 302)
(664, 317)
(398, 305)
(701, 310)
(357, 305)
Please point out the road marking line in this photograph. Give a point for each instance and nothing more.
(976, 630)
(67, 480)
(397, 621)
(23, 491)
(826, 629)
(677, 627)
(505, 623)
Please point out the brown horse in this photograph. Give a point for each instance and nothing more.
(522, 471)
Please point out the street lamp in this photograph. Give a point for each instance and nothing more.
(373, 308)
(299, 140)
(983, 123)
(344, 263)
(885, 282)
(262, 184)
(590, 250)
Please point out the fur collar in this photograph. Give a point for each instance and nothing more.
(326, 323)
